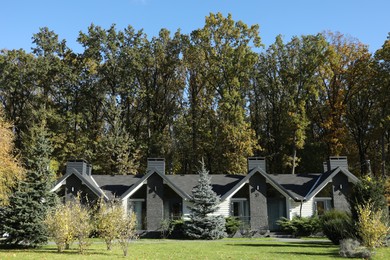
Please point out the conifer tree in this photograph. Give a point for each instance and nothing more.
(23, 219)
(203, 224)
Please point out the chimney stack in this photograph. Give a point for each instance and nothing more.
(254, 162)
(156, 163)
(336, 161)
(82, 166)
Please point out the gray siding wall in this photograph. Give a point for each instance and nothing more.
(258, 202)
(154, 202)
(341, 187)
(74, 185)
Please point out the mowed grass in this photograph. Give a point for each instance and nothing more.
(234, 248)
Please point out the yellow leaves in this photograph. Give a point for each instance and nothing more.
(371, 227)
(10, 169)
(60, 226)
(68, 222)
(108, 221)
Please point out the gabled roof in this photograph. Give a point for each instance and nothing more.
(327, 177)
(221, 184)
(141, 181)
(86, 179)
(297, 185)
(116, 185)
(268, 177)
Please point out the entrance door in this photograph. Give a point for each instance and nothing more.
(276, 209)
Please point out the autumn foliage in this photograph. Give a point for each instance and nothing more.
(10, 168)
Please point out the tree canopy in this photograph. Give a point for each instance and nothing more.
(214, 93)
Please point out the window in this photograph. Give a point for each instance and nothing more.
(240, 209)
(322, 205)
(138, 206)
(173, 209)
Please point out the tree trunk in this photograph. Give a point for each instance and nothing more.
(294, 155)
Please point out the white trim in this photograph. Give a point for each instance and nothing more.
(134, 190)
(237, 189)
(238, 199)
(315, 184)
(58, 185)
(315, 194)
(142, 200)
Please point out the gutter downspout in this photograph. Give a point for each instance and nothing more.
(300, 209)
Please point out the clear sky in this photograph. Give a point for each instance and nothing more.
(368, 21)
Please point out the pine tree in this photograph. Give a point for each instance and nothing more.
(203, 224)
(24, 218)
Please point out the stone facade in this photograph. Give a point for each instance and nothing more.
(258, 202)
(154, 202)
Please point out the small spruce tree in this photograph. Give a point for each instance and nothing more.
(24, 218)
(203, 224)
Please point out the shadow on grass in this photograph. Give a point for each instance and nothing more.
(286, 244)
(69, 252)
(333, 253)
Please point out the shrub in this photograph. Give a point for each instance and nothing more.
(81, 220)
(166, 227)
(60, 227)
(127, 231)
(337, 225)
(245, 230)
(300, 226)
(108, 218)
(232, 225)
(371, 228)
(367, 190)
(351, 248)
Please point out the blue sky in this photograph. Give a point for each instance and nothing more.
(368, 21)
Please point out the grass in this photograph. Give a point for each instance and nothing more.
(233, 248)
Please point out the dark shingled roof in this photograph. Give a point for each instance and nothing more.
(220, 183)
(298, 185)
(116, 185)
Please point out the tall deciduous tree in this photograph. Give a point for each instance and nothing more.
(335, 92)
(217, 88)
(382, 57)
(285, 80)
(117, 149)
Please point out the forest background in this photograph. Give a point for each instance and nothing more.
(212, 94)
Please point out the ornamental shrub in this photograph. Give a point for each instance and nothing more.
(108, 219)
(368, 190)
(232, 225)
(372, 229)
(337, 225)
(300, 226)
(351, 248)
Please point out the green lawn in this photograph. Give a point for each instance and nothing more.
(233, 248)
